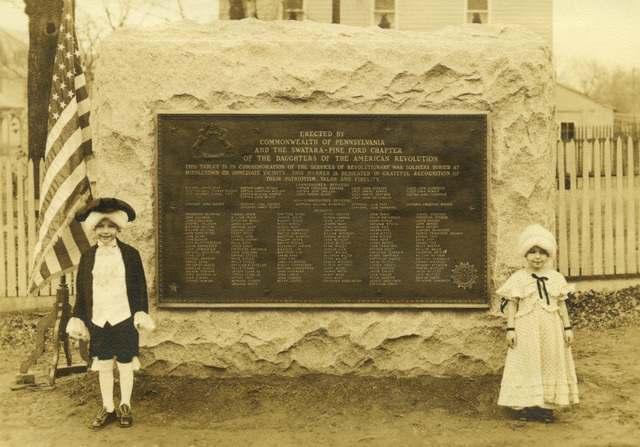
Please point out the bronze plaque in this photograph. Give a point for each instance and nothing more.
(322, 210)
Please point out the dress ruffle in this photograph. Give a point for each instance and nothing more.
(522, 287)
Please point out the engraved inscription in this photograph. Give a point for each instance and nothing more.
(322, 209)
(201, 247)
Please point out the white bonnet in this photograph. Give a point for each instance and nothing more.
(536, 234)
(118, 217)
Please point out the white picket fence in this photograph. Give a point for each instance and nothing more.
(18, 236)
(598, 207)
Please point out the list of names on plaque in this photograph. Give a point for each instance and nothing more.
(293, 243)
(322, 209)
(431, 257)
(201, 247)
(245, 270)
(337, 254)
(384, 253)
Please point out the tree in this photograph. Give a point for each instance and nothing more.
(44, 23)
(617, 87)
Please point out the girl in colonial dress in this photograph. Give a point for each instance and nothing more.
(539, 372)
(111, 305)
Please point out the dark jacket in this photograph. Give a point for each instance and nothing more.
(134, 278)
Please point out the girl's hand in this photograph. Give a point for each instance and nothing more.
(568, 337)
(512, 339)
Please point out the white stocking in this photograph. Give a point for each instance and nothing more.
(126, 382)
(105, 375)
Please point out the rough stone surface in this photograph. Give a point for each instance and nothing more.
(255, 66)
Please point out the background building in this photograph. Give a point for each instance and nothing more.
(13, 94)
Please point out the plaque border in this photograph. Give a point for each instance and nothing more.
(354, 304)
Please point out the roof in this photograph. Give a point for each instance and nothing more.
(578, 92)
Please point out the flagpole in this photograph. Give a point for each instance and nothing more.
(45, 26)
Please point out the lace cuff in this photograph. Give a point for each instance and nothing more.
(77, 329)
(142, 320)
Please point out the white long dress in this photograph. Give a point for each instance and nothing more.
(539, 370)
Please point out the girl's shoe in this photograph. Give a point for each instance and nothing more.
(546, 415)
(126, 420)
(541, 414)
(103, 418)
(522, 414)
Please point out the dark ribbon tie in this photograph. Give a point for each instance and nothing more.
(540, 282)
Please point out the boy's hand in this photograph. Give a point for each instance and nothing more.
(512, 339)
(568, 337)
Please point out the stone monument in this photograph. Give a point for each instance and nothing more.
(254, 68)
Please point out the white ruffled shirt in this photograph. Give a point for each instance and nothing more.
(110, 302)
(523, 288)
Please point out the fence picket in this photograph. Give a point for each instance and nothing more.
(609, 268)
(31, 211)
(3, 253)
(574, 249)
(619, 233)
(632, 265)
(597, 207)
(563, 252)
(586, 266)
(22, 231)
(637, 194)
(48, 289)
(12, 289)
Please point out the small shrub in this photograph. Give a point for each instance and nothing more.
(603, 310)
(18, 331)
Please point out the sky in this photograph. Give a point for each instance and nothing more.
(607, 31)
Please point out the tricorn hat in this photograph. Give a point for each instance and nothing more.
(116, 210)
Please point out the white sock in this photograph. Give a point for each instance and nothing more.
(126, 382)
(105, 376)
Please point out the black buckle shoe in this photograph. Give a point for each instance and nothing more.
(103, 418)
(546, 415)
(523, 414)
(126, 420)
(538, 414)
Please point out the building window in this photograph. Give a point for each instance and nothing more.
(477, 11)
(384, 13)
(567, 131)
(293, 10)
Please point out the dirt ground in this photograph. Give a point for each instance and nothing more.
(330, 410)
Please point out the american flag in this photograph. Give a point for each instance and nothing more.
(65, 186)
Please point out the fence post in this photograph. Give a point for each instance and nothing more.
(31, 211)
(12, 289)
(586, 266)
(574, 249)
(22, 231)
(632, 266)
(597, 207)
(3, 226)
(619, 235)
(563, 258)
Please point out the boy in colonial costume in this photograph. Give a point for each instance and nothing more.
(111, 304)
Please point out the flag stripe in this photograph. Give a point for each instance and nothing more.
(58, 165)
(44, 272)
(80, 237)
(61, 252)
(62, 201)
